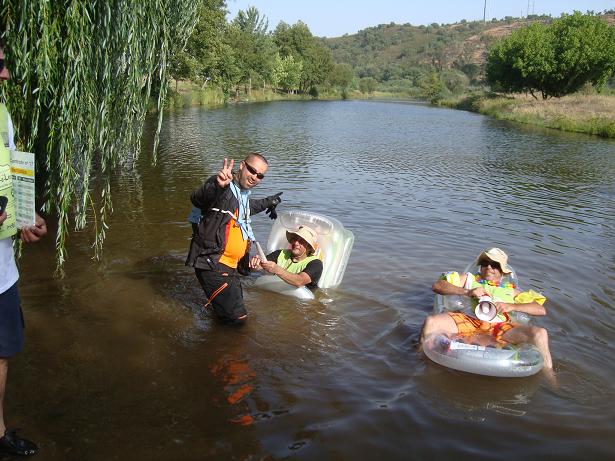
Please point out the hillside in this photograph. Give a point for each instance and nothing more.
(390, 52)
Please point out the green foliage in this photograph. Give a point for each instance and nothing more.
(242, 54)
(472, 70)
(298, 41)
(433, 88)
(455, 81)
(252, 45)
(341, 75)
(286, 73)
(228, 71)
(83, 72)
(183, 66)
(555, 59)
(395, 52)
(367, 85)
(202, 57)
(520, 62)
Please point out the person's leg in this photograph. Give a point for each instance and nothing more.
(11, 342)
(438, 323)
(4, 366)
(11, 338)
(534, 335)
(224, 295)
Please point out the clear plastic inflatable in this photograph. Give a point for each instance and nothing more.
(480, 353)
(334, 247)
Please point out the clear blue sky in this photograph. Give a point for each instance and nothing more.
(334, 18)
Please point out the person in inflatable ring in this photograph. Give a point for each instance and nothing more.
(297, 266)
(493, 265)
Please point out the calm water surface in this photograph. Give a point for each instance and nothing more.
(122, 363)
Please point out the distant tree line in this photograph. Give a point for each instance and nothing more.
(432, 61)
(243, 54)
(554, 59)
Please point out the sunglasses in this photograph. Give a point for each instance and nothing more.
(252, 170)
(493, 264)
(1, 64)
(296, 238)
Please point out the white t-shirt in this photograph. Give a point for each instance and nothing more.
(8, 268)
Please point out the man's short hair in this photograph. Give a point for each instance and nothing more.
(257, 155)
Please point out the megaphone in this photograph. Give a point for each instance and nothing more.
(485, 309)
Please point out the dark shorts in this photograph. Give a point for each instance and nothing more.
(11, 323)
(224, 294)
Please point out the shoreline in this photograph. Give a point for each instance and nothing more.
(591, 114)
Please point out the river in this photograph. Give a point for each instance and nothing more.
(123, 363)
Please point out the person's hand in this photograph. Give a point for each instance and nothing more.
(274, 203)
(270, 267)
(255, 263)
(504, 307)
(478, 292)
(2, 217)
(34, 233)
(225, 175)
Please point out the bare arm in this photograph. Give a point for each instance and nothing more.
(443, 287)
(532, 308)
(298, 280)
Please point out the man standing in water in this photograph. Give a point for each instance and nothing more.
(493, 265)
(11, 316)
(220, 250)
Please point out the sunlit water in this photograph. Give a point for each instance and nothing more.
(123, 363)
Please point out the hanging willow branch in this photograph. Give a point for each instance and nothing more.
(83, 73)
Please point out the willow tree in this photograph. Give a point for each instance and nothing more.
(83, 73)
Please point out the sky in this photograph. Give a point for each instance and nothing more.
(334, 18)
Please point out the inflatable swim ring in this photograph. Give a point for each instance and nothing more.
(480, 353)
(334, 247)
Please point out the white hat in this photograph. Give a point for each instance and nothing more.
(496, 255)
(306, 233)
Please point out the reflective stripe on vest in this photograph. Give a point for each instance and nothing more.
(285, 260)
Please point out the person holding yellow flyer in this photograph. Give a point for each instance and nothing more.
(11, 316)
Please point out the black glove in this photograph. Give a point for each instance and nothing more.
(275, 200)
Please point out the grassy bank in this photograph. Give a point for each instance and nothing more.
(188, 94)
(582, 113)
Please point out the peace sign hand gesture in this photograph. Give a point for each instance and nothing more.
(225, 175)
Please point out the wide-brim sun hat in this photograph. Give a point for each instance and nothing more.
(496, 255)
(306, 233)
